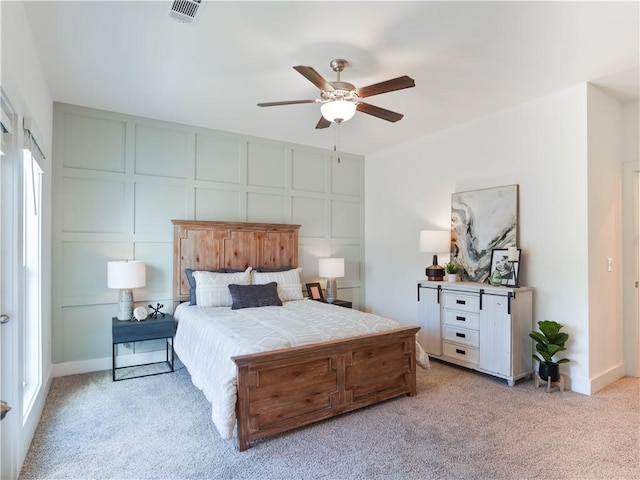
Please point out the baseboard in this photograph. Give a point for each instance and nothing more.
(577, 384)
(98, 364)
(589, 386)
(607, 378)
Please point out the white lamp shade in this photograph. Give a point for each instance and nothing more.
(124, 274)
(338, 110)
(331, 267)
(435, 241)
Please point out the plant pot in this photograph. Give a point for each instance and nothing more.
(452, 277)
(545, 371)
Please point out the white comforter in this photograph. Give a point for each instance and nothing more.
(207, 338)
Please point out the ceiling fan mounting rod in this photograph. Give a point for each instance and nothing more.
(338, 65)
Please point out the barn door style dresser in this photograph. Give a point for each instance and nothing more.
(478, 326)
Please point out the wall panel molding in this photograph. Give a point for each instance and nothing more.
(119, 180)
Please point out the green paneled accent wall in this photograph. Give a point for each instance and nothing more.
(119, 180)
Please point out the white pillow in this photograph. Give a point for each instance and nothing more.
(289, 287)
(212, 289)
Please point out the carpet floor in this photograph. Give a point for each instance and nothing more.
(461, 425)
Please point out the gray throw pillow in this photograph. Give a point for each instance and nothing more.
(249, 296)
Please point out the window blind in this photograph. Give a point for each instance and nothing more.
(32, 141)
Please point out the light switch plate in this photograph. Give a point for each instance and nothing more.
(609, 264)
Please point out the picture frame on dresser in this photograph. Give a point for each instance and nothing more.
(314, 290)
(508, 270)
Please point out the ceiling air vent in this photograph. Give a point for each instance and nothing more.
(186, 11)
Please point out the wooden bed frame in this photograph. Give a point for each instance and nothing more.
(284, 389)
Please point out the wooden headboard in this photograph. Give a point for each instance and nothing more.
(204, 245)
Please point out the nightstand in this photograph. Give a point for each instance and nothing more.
(133, 331)
(342, 303)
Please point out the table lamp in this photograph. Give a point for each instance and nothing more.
(331, 268)
(435, 241)
(125, 275)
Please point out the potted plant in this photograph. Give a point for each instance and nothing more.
(452, 271)
(549, 341)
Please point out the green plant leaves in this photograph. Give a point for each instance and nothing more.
(549, 341)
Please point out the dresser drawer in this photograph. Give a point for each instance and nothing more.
(461, 319)
(461, 301)
(460, 353)
(462, 336)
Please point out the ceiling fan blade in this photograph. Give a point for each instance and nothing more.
(388, 86)
(286, 102)
(323, 123)
(382, 113)
(314, 77)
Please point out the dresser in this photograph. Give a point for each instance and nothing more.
(478, 326)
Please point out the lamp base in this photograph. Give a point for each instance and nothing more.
(332, 290)
(434, 273)
(125, 304)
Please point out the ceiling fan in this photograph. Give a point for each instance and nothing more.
(340, 100)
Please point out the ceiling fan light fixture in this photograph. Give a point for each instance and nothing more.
(338, 111)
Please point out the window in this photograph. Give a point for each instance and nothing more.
(32, 271)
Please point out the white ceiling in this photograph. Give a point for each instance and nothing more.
(467, 58)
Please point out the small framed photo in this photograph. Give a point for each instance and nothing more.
(314, 290)
(508, 268)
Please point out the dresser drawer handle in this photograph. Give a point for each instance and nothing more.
(461, 352)
(461, 302)
(462, 319)
(461, 335)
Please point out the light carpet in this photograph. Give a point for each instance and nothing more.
(462, 424)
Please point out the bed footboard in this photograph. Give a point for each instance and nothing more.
(285, 389)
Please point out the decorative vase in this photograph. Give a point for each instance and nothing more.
(452, 277)
(545, 371)
(495, 279)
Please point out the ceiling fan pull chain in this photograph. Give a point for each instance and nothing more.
(336, 141)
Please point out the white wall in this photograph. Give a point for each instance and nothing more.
(25, 86)
(604, 128)
(542, 147)
(118, 182)
(630, 215)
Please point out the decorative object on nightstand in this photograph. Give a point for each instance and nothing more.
(156, 310)
(331, 268)
(125, 275)
(140, 313)
(435, 241)
(314, 291)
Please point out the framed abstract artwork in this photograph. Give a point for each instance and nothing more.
(481, 221)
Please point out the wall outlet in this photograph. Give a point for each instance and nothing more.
(609, 264)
